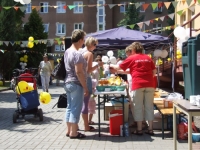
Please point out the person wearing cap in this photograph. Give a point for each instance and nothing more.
(44, 71)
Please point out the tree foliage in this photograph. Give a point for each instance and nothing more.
(10, 30)
(131, 16)
(34, 27)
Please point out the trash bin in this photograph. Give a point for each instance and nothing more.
(116, 119)
(191, 66)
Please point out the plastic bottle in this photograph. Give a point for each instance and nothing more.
(126, 129)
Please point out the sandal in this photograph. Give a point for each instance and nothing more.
(133, 125)
(91, 129)
(79, 136)
(137, 132)
(91, 123)
(150, 132)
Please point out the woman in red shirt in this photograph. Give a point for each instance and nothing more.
(142, 70)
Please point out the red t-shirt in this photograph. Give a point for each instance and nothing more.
(141, 69)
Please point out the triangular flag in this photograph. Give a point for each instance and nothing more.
(154, 5)
(6, 8)
(151, 21)
(167, 4)
(2, 51)
(12, 42)
(36, 41)
(174, 3)
(1, 42)
(120, 4)
(162, 18)
(140, 25)
(22, 8)
(160, 4)
(188, 2)
(192, 8)
(33, 7)
(24, 42)
(38, 8)
(185, 9)
(171, 16)
(51, 41)
(137, 5)
(65, 7)
(111, 5)
(145, 6)
(71, 6)
(132, 26)
(180, 12)
(91, 5)
(6, 42)
(45, 41)
(16, 8)
(183, 1)
(156, 19)
(55, 6)
(147, 22)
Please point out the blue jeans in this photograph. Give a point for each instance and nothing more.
(75, 95)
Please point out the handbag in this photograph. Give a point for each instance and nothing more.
(29, 100)
(62, 101)
(59, 71)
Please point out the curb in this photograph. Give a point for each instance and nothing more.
(5, 89)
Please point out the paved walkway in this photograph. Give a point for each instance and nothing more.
(50, 134)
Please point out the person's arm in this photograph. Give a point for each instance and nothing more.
(39, 69)
(154, 72)
(123, 72)
(89, 63)
(81, 77)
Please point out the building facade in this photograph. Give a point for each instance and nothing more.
(60, 20)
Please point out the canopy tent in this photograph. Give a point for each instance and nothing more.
(119, 38)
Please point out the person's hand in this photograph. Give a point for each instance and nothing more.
(112, 70)
(86, 92)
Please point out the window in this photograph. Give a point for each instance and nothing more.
(141, 7)
(60, 8)
(61, 28)
(28, 8)
(78, 9)
(157, 28)
(158, 9)
(123, 7)
(78, 26)
(59, 47)
(101, 15)
(44, 7)
(46, 27)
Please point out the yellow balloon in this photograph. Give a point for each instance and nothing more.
(169, 59)
(30, 39)
(25, 56)
(30, 44)
(150, 55)
(45, 97)
(178, 52)
(25, 60)
(21, 59)
(179, 56)
(23, 86)
(1, 83)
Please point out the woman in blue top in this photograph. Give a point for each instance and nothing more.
(75, 83)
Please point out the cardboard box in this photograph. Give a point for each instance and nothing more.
(167, 103)
(108, 108)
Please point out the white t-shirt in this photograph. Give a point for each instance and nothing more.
(45, 68)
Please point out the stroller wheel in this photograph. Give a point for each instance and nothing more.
(40, 114)
(15, 116)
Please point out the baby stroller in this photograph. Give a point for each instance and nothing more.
(27, 102)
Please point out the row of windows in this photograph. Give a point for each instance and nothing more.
(60, 9)
(61, 27)
(78, 7)
(124, 7)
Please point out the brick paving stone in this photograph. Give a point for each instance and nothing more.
(31, 134)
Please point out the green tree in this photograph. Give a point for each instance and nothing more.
(34, 27)
(10, 30)
(131, 16)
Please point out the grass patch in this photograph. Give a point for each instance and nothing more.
(6, 86)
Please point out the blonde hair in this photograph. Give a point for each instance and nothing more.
(137, 47)
(91, 41)
(128, 49)
(77, 35)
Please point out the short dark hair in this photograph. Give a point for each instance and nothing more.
(77, 35)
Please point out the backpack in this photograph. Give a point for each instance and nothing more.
(59, 71)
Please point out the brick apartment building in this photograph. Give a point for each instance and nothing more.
(59, 22)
